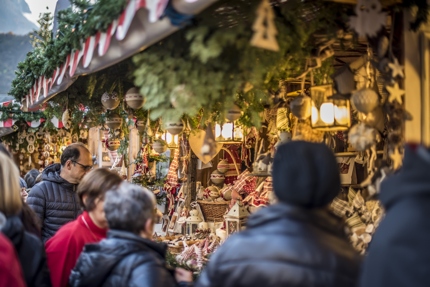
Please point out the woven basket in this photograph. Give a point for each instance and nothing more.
(213, 211)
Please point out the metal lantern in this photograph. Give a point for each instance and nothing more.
(134, 99)
(235, 219)
(171, 140)
(329, 112)
(228, 133)
(113, 121)
(110, 101)
(192, 222)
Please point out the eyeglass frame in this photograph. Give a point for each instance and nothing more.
(85, 167)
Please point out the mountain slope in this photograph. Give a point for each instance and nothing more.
(12, 18)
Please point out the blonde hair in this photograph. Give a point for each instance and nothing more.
(10, 197)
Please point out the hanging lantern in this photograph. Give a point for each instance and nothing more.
(329, 112)
(233, 113)
(174, 128)
(217, 177)
(159, 146)
(235, 219)
(110, 101)
(193, 222)
(140, 125)
(113, 121)
(228, 133)
(171, 140)
(134, 99)
(113, 144)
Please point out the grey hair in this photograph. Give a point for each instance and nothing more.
(128, 207)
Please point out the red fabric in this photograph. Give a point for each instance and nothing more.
(64, 248)
(10, 268)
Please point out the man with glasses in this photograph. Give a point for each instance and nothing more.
(54, 199)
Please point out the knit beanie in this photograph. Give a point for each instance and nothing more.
(305, 174)
(22, 183)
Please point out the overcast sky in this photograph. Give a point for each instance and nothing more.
(39, 6)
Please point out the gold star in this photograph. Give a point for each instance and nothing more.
(396, 69)
(396, 158)
(395, 93)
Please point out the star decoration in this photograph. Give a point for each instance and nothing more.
(396, 69)
(396, 158)
(395, 93)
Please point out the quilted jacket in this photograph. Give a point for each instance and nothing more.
(285, 245)
(54, 200)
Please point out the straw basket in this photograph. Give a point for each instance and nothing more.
(213, 211)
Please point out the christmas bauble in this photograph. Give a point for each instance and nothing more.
(217, 177)
(233, 113)
(213, 192)
(375, 119)
(113, 144)
(159, 146)
(110, 101)
(140, 125)
(174, 128)
(365, 100)
(301, 107)
(113, 121)
(134, 99)
(180, 98)
(223, 166)
(362, 137)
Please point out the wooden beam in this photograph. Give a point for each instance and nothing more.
(384, 3)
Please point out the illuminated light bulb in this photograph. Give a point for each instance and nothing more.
(227, 131)
(327, 113)
(341, 115)
(315, 115)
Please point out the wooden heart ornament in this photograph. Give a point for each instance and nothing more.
(196, 140)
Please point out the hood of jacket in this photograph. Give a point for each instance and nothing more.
(14, 230)
(318, 217)
(52, 173)
(108, 253)
(412, 180)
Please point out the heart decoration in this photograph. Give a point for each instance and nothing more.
(196, 140)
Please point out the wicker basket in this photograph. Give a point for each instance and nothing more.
(213, 211)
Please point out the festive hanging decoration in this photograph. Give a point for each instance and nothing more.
(113, 121)
(110, 101)
(369, 19)
(396, 69)
(264, 28)
(134, 99)
(365, 100)
(396, 158)
(174, 128)
(395, 93)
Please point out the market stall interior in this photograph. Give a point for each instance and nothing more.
(192, 98)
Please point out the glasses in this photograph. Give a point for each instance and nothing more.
(85, 167)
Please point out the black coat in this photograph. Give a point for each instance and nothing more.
(54, 200)
(122, 259)
(399, 254)
(31, 253)
(285, 246)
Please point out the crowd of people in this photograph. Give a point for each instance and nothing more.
(73, 225)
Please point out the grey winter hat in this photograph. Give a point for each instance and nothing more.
(305, 174)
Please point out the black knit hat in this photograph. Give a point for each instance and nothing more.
(305, 174)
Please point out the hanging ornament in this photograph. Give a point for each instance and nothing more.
(113, 144)
(110, 101)
(264, 28)
(375, 119)
(113, 121)
(174, 128)
(396, 158)
(217, 177)
(362, 137)
(159, 146)
(301, 107)
(383, 45)
(395, 93)
(365, 100)
(134, 99)
(213, 192)
(223, 166)
(65, 119)
(140, 125)
(282, 121)
(369, 19)
(233, 113)
(180, 97)
(396, 69)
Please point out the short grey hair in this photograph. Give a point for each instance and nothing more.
(128, 207)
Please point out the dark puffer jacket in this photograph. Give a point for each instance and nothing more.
(31, 253)
(123, 259)
(54, 200)
(399, 252)
(285, 246)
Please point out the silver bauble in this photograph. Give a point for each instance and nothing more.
(134, 99)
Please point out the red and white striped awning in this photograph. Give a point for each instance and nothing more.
(134, 29)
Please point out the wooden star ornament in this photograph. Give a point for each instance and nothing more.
(395, 93)
(396, 158)
(396, 69)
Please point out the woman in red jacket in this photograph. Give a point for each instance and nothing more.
(64, 248)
